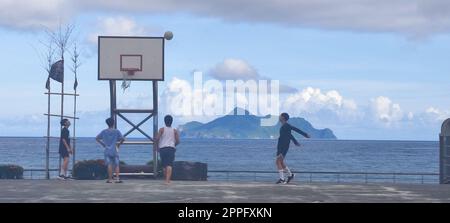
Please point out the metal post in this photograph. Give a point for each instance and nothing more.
(155, 127)
(74, 141)
(444, 144)
(62, 107)
(441, 159)
(112, 93)
(47, 148)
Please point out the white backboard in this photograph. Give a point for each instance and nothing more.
(118, 54)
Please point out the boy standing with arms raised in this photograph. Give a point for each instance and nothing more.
(283, 147)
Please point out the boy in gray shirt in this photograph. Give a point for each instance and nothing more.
(109, 138)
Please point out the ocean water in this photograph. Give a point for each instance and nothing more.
(250, 155)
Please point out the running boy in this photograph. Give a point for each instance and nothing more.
(166, 140)
(283, 147)
(110, 138)
(64, 148)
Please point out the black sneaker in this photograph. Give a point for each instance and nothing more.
(280, 181)
(290, 178)
(61, 177)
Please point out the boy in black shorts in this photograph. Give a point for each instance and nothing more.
(64, 148)
(283, 146)
(166, 140)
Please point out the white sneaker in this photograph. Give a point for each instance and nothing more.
(290, 178)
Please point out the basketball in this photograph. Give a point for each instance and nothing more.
(168, 35)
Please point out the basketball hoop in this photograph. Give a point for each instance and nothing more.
(127, 75)
(129, 65)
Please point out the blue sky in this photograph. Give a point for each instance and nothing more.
(364, 75)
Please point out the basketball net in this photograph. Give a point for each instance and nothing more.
(126, 82)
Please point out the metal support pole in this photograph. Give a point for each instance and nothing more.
(62, 112)
(74, 141)
(47, 148)
(155, 127)
(112, 93)
(441, 159)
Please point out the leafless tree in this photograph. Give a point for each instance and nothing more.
(61, 37)
(47, 56)
(75, 56)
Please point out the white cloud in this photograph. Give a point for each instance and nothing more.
(233, 69)
(32, 14)
(312, 102)
(117, 26)
(177, 97)
(322, 108)
(416, 17)
(385, 111)
(237, 69)
(408, 17)
(331, 108)
(410, 116)
(434, 115)
(211, 101)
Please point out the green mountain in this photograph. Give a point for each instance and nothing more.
(247, 127)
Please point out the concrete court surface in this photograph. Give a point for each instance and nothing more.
(76, 191)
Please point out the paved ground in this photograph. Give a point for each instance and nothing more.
(217, 192)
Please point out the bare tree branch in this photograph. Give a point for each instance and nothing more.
(75, 60)
(61, 37)
(47, 58)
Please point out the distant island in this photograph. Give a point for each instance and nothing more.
(247, 127)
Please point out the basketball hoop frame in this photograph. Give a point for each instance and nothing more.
(112, 61)
(130, 70)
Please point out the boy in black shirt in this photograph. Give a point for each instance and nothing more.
(283, 146)
(64, 148)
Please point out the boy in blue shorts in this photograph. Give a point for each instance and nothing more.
(110, 138)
